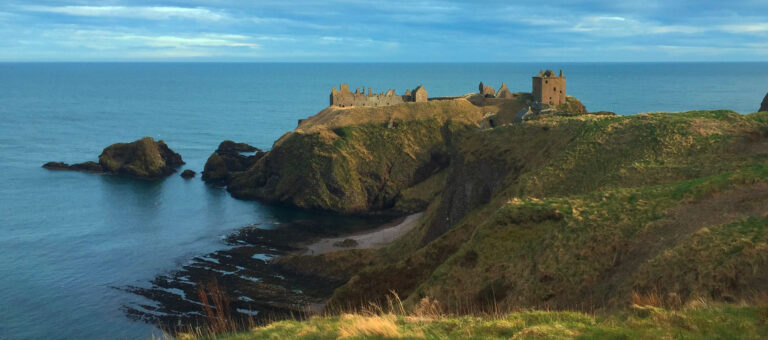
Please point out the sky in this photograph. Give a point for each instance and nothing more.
(384, 31)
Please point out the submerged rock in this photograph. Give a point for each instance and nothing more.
(144, 158)
(56, 166)
(187, 174)
(764, 104)
(227, 160)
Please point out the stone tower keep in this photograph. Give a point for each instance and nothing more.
(548, 88)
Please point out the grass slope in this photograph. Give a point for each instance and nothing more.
(714, 322)
(585, 210)
(559, 213)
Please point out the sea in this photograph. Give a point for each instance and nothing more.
(69, 240)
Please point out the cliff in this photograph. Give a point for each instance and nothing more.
(565, 210)
(359, 160)
(585, 211)
(764, 104)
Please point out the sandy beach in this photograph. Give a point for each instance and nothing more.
(376, 238)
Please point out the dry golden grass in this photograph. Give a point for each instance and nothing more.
(368, 326)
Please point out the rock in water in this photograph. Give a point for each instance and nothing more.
(227, 159)
(187, 174)
(764, 105)
(144, 158)
(215, 170)
(56, 166)
(85, 166)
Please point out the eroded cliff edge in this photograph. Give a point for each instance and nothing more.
(360, 160)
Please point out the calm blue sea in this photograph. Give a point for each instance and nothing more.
(67, 238)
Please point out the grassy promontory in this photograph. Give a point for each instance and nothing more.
(359, 160)
(562, 212)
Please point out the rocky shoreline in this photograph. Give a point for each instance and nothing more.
(260, 288)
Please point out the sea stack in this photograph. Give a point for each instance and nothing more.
(144, 159)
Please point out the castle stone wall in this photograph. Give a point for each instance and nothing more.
(344, 97)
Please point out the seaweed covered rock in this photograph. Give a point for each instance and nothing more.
(764, 104)
(228, 159)
(144, 158)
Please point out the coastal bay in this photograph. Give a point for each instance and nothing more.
(73, 241)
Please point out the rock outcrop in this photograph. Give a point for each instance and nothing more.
(144, 158)
(89, 166)
(764, 104)
(227, 159)
(187, 174)
(357, 160)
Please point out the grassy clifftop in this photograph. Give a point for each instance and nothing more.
(561, 211)
(584, 211)
(359, 160)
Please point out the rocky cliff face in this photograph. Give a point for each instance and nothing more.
(764, 104)
(357, 160)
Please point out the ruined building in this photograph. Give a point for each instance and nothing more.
(343, 97)
(490, 92)
(548, 88)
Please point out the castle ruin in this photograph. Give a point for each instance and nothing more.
(490, 92)
(548, 92)
(548, 88)
(343, 97)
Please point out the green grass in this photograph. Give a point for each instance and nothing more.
(594, 250)
(701, 322)
(588, 212)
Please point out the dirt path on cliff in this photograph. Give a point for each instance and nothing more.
(375, 238)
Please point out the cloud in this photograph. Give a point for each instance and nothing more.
(138, 12)
(398, 30)
(620, 26)
(745, 28)
(100, 39)
(359, 42)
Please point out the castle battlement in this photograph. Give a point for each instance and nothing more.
(343, 97)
